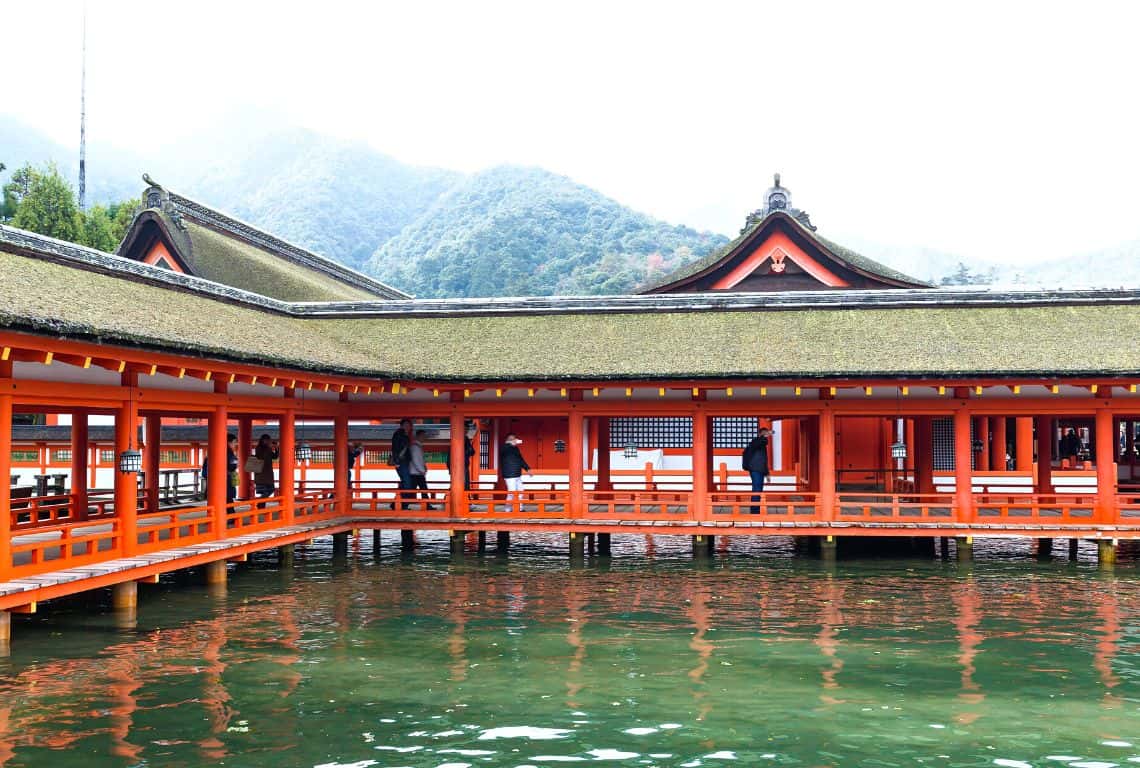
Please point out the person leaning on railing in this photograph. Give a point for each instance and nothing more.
(754, 460)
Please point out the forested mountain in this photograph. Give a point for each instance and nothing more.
(513, 231)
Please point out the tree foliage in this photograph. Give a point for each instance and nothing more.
(42, 201)
(516, 231)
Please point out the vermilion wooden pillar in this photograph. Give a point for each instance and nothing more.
(1024, 447)
(604, 481)
(340, 463)
(702, 470)
(999, 447)
(79, 453)
(1044, 454)
(575, 446)
(826, 463)
(963, 474)
(245, 443)
(218, 478)
(982, 431)
(458, 461)
(923, 454)
(127, 483)
(287, 462)
(151, 450)
(5, 485)
(1106, 476)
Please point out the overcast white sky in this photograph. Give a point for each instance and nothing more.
(990, 130)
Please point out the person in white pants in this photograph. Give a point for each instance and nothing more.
(513, 465)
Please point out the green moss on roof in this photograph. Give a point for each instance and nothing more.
(234, 262)
(55, 299)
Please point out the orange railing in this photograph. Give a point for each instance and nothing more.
(315, 505)
(250, 515)
(65, 546)
(746, 506)
(1037, 508)
(871, 507)
(640, 506)
(174, 527)
(522, 504)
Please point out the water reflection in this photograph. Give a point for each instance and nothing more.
(653, 661)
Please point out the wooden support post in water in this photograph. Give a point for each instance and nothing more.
(1106, 552)
(591, 543)
(457, 538)
(125, 596)
(828, 548)
(1073, 544)
(285, 556)
(482, 541)
(945, 547)
(5, 630)
(503, 541)
(1044, 548)
(376, 541)
(604, 544)
(965, 546)
(577, 546)
(216, 572)
(407, 540)
(340, 544)
(702, 545)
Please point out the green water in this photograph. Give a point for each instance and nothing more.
(755, 658)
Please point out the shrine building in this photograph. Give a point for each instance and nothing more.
(897, 409)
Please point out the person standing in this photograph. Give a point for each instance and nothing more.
(401, 456)
(1070, 448)
(754, 460)
(263, 480)
(417, 467)
(231, 469)
(468, 453)
(513, 465)
(355, 451)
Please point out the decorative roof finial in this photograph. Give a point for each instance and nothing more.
(778, 198)
(777, 179)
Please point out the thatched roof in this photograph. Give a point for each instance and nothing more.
(54, 288)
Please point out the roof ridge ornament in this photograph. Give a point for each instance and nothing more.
(777, 198)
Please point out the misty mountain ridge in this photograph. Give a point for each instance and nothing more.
(436, 232)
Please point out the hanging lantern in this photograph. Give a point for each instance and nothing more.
(898, 450)
(630, 451)
(130, 461)
(560, 446)
(303, 452)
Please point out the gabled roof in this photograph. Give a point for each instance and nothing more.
(777, 215)
(61, 290)
(212, 245)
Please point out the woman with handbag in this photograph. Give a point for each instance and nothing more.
(263, 457)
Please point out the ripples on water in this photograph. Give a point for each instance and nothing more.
(648, 658)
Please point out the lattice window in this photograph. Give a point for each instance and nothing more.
(106, 456)
(324, 456)
(174, 456)
(25, 455)
(943, 436)
(60, 455)
(376, 456)
(435, 457)
(485, 449)
(734, 431)
(663, 432)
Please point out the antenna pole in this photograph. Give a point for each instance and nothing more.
(83, 119)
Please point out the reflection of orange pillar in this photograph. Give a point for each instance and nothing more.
(1024, 427)
(967, 615)
(575, 469)
(1044, 454)
(127, 483)
(150, 460)
(1107, 648)
(998, 449)
(923, 454)
(79, 465)
(963, 476)
(826, 463)
(982, 431)
(1105, 468)
(604, 481)
(701, 464)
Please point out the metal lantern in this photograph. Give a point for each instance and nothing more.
(977, 445)
(303, 452)
(560, 446)
(130, 460)
(898, 450)
(630, 451)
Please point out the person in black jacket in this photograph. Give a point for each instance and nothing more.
(754, 460)
(401, 457)
(513, 465)
(1070, 447)
(468, 452)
